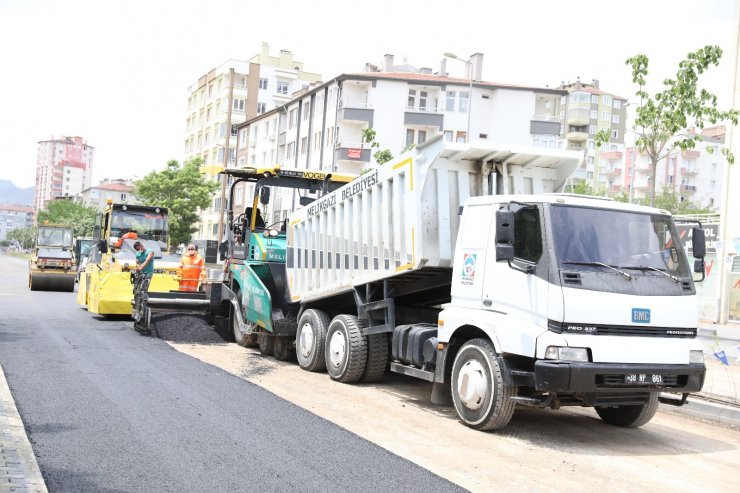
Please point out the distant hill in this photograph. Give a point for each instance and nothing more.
(11, 194)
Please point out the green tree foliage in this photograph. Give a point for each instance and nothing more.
(25, 236)
(182, 190)
(380, 156)
(669, 200)
(66, 212)
(664, 121)
(583, 188)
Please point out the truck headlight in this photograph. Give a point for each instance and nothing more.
(696, 356)
(567, 353)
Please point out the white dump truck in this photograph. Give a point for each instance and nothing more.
(459, 265)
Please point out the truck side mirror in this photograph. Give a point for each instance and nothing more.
(265, 195)
(103, 246)
(504, 235)
(698, 243)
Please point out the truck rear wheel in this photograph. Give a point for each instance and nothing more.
(310, 340)
(481, 399)
(266, 344)
(630, 416)
(346, 349)
(239, 338)
(283, 348)
(377, 357)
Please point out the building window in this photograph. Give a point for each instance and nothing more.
(261, 108)
(617, 104)
(606, 100)
(282, 87)
(232, 155)
(411, 100)
(242, 138)
(421, 136)
(461, 136)
(605, 116)
(409, 136)
(591, 144)
(714, 167)
(234, 130)
(422, 100)
(238, 194)
(215, 229)
(712, 184)
(448, 135)
(263, 84)
(545, 140)
(304, 145)
(463, 103)
(292, 118)
(594, 115)
(615, 134)
(615, 118)
(594, 99)
(123, 197)
(592, 129)
(306, 110)
(238, 105)
(482, 136)
(450, 104)
(291, 150)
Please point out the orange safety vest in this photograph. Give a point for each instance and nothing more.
(191, 271)
(128, 236)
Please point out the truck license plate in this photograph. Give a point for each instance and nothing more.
(643, 378)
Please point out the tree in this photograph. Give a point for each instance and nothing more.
(182, 190)
(664, 121)
(380, 156)
(66, 212)
(25, 236)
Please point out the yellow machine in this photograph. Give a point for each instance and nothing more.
(52, 266)
(105, 286)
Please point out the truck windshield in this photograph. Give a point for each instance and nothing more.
(632, 241)
(146, 225)
(55, 237)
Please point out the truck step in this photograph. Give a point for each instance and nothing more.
(412, 372)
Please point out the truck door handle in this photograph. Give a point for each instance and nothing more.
(487, 302)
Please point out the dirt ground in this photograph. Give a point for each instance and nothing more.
(565, 450)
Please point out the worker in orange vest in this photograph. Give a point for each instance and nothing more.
(129, 235)
(191, 269)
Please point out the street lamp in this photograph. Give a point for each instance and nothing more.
(469, 66)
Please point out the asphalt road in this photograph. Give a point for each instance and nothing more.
(108, 410)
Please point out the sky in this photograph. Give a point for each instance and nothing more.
(117, 72)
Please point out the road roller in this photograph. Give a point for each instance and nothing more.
(53, 266)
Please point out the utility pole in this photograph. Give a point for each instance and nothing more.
(224, 180)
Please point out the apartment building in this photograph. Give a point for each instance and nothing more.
(227, 96)
(584, 111)
(118, 190)
(694, 174)
(63, 169)
(321, 127)
(14, 217)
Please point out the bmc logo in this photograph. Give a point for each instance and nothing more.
(640, 315)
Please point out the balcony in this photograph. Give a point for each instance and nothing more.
(644, 186)
(688, 171)
(613, 172)
(688, 188)
(355, 112)
(544, 125)
(577, 136)
(352, 151)
(578, 117)
(423, 116)
(690, 154)
(612, 155)
(614, 189)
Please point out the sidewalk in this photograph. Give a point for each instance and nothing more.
(19, 471)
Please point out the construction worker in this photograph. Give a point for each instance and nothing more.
(144, 264)
(129, 235)
(191, 269)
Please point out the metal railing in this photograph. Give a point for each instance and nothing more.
(546, 118)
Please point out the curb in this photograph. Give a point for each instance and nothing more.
(18, 466)
(709, 411)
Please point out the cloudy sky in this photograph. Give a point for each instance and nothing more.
(116, 72)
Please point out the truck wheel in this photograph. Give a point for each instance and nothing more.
(377, 357)
(481, 399)
(266, 344)
(630, 416)
(239, 338)
(346, 349)
(310, 340)
(283, 349)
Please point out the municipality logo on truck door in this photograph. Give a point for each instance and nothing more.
(468, 269)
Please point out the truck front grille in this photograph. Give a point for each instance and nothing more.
(621, 330)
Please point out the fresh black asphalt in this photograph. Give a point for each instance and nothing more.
(108, 410)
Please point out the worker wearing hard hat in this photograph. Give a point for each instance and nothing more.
(191, 269)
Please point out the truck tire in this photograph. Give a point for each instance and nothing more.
(377, 358)
(630, 416)
(479, 395)
(266, 344)
(283, 348)
(346, 349)
(310, 340)
(239, 338)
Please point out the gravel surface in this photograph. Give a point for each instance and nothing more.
(184, 328)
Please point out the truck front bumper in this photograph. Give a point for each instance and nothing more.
(573, 377)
